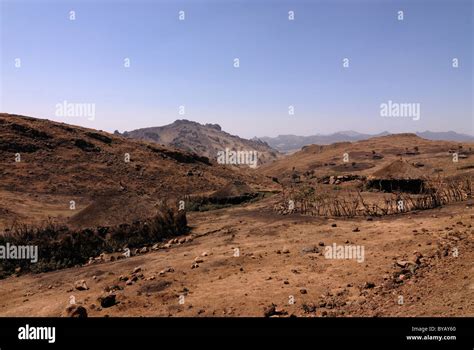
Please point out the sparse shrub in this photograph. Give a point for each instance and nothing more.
(60, 247)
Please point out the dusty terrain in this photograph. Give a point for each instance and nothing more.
(280, 257)
(247, 259)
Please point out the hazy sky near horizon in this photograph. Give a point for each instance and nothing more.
(283, 63)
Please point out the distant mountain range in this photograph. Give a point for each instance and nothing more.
(203, 139)
(292, 143)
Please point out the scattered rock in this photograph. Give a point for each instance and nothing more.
(369, 285)
(309, 308)
(76, 311)
(312, 249)
(107, 300)
(165, 270)
(81, 285)
(273, 311)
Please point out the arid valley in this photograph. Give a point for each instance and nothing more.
(230, 240)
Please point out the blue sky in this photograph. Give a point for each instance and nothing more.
(282, 63)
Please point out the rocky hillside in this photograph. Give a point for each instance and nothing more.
(367, 156)
(50, 169)
(293, 143)
(206, 140)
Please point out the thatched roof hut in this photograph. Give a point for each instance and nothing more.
(234, 192)
(398, 176)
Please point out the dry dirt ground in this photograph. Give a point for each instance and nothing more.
(245, 260)
(280, 261)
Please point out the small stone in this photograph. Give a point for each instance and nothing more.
(309, 308)
(76, 311)
(303, 291)
(272, 310)
(107, 300)
(165, 270)
(81, 285)
(369, 285)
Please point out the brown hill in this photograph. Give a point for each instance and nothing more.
(369, 156)
(59, 163)
(206, 140)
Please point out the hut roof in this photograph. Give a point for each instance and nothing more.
(399, 170)
(233, 189)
